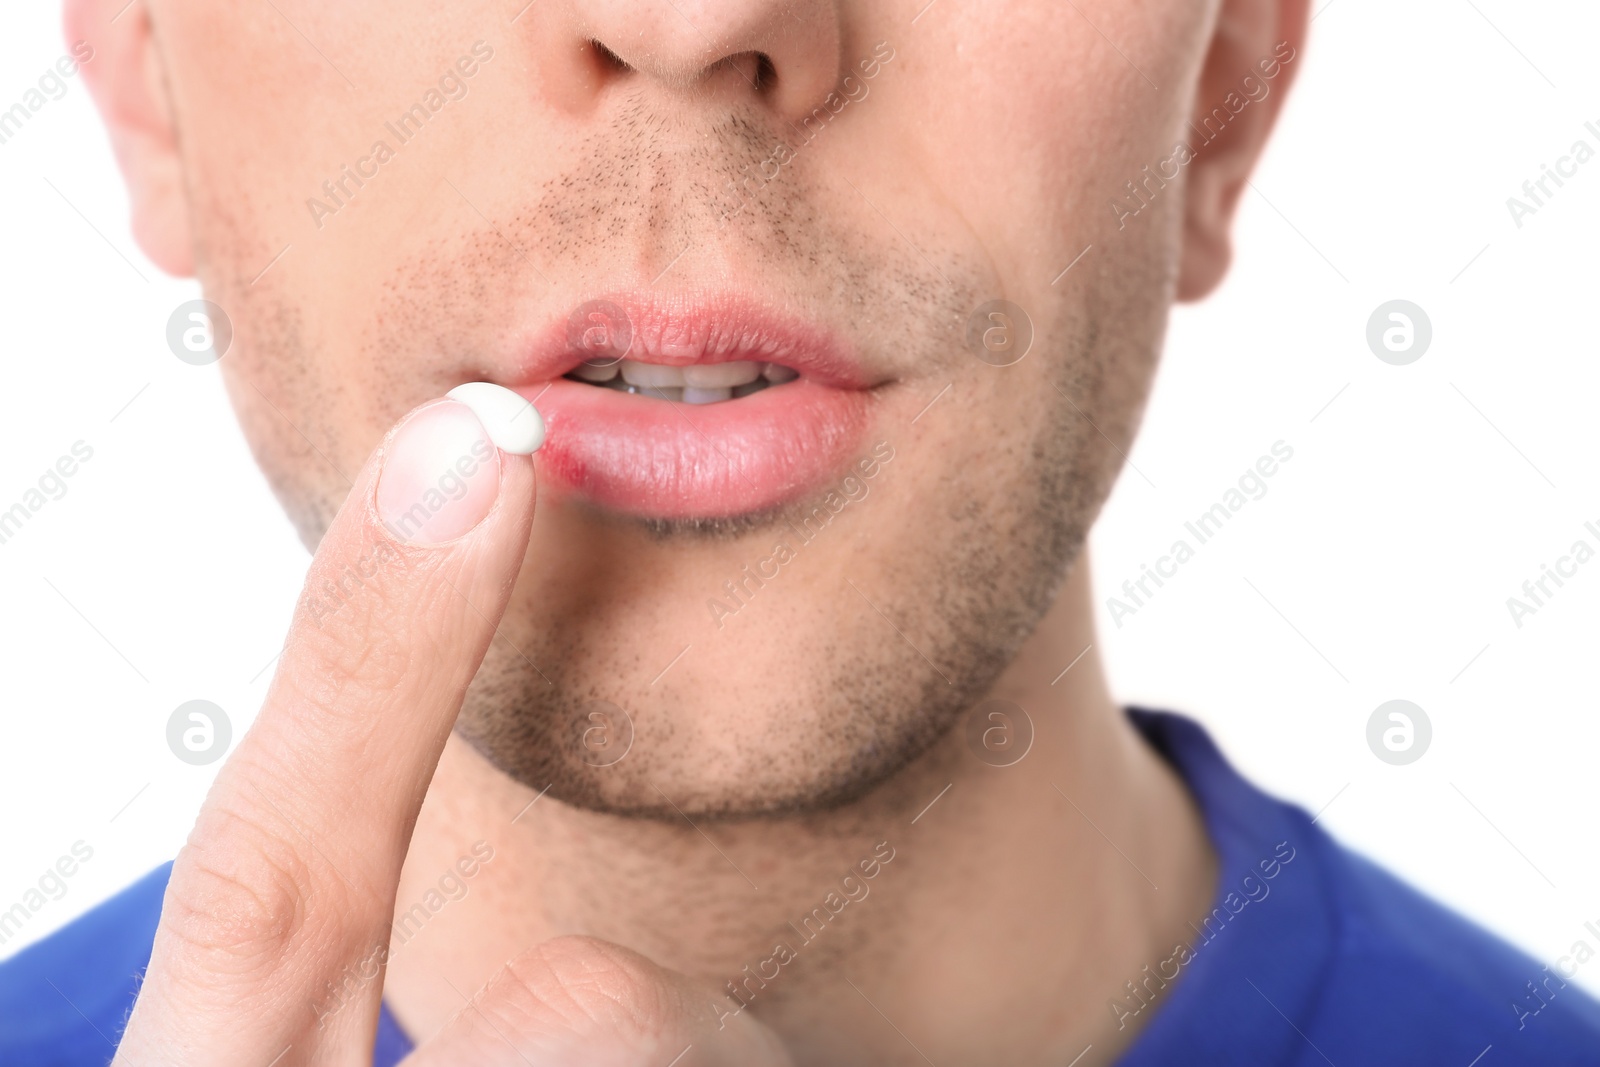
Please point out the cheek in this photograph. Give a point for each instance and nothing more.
(1034, 148)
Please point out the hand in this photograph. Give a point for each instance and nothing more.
(288, 880)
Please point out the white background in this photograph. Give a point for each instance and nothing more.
(1376, 567)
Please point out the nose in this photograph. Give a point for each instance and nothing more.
(783, 55)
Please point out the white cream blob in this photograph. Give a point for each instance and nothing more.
(513, 424)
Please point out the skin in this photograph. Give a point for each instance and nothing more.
(802, 735)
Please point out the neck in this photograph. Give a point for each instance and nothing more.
(1031, 893)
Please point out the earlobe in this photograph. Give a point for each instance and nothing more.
(1254, 54)
(1207, 233)
(125, 74)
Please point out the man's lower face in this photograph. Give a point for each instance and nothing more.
(766, 602)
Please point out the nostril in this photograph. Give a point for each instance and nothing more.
(783, 58)
(766, 72)
(754, 69)
(609, 59)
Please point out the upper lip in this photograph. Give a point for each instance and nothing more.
(684, 329)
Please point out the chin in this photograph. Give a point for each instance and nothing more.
(786, 747)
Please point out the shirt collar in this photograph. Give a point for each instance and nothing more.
(1249, 981)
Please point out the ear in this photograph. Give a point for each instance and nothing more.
(127, 78)
(1254, 55)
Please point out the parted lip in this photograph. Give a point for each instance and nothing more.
(666, 459)
(690, 328)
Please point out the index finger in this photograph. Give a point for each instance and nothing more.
(289, 875)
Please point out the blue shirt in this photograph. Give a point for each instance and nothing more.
(1312, 956)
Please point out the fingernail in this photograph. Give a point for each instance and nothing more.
(440, 476)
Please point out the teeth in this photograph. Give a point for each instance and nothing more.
(721, 375)
(651, 374)
(595, 372)
(699, 384)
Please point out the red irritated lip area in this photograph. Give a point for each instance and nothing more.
(669, 460)
(670, 453)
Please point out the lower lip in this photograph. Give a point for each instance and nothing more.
(667, 460)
